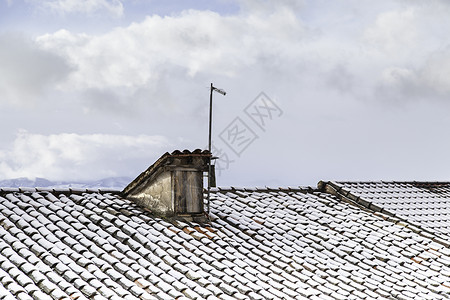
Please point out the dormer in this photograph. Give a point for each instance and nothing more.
(173, 185)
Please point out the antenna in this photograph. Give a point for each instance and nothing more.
(220, 91)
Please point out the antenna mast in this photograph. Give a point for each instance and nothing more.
(209, 140)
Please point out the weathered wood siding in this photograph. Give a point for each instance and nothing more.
(188, 191)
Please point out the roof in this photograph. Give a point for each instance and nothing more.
(423, 204)
(260, 244)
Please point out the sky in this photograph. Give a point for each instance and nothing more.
(315, 89)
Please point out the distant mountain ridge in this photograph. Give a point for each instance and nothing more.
(117, 183)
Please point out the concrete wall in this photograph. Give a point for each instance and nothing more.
(157, 196)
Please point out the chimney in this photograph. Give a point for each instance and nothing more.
(173, 185)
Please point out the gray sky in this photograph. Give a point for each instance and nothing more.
(351, 89)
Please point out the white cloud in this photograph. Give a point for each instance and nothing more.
(277, 42)
(394, 30)
(267, 6)
(73, 156)
(114, 7)
(429, 81)
(27, 71)
(144, 60)
(400, 53)
(269, 40)
(193, 42)
(436, 72)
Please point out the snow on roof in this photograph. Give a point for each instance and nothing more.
(260, 244)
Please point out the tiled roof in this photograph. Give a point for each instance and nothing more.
(261, 244)
(424, 204)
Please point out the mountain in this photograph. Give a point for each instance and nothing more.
(117, 183)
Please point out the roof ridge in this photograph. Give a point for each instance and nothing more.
(77, 191)
(260, 189)
(390, 181)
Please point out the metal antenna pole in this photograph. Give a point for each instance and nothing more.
(209, 147)
(220, 91)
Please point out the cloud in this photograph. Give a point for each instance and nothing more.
(146, 59)
(188, 44)
(267, 7)
(349, 49)
(394, 30)
(429, 81)
(408, 48)
(70, 156)
(27, 71)
(436, 72)
(88, 7)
